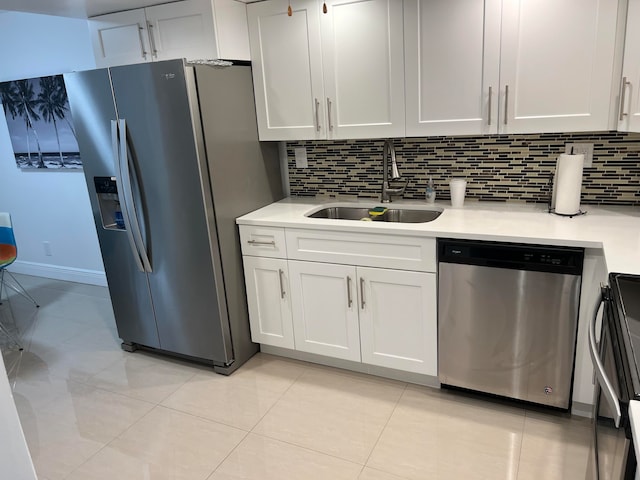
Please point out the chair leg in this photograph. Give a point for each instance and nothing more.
(19, 289)
(11, 336)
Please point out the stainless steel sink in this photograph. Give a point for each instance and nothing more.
(398, 215)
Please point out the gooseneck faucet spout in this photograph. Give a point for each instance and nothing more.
(389, 151)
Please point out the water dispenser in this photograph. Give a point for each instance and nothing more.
(109, 202)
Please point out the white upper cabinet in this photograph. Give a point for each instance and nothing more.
(629, 107)
(508, 66)
(287, 70)
(452, 69)
(191, 29)
(363, 66)
(556, 65)
(120, 38)
(179, 27)
(328, 76)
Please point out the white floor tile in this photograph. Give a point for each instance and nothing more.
(260, 458)
(433, 435)
(164, 444)
(143, 377)
(91, 411)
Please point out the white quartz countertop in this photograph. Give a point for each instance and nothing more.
(614, 229)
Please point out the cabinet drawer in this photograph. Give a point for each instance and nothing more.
(263, 241)
(369, 250)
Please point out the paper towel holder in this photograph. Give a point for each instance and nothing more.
(552, 209)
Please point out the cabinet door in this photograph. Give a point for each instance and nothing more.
(363, 65)
(398, 326)
(269, 301)
(452, 66)
(287, 70)
(629, 114)
(182, 30)
(556, 65)
(120, 38)
(325, 309)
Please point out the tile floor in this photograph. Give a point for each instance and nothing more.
(91, 411)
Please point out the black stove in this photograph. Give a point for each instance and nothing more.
(625, 297)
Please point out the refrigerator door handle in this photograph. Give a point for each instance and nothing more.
(121, 196)
(128, 195)
(603, 380)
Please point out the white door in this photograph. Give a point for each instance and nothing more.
(629, 113)
(325, 309)
(363, 65)
(182, 30)
(557, 65)
(287, 71)
(398, 319)
(120, 38)
(452, 66)
(269, 301)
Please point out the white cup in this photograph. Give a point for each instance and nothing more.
(457, 187)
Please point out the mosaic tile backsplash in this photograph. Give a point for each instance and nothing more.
(497, 168)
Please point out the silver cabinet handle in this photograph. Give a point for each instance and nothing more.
(121, 195)
(144, 52)
(603, 380)
(259, 242)
(349, 299)
(280, 274)
(317, 114)
(362, 302)
(329, 113)
(490, 101)
(622, 95)
(506, 104)
(152, 39)
(128, 193)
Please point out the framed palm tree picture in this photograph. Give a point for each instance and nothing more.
(40, 123)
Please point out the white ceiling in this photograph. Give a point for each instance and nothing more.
(77, 8)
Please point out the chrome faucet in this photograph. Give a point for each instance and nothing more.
(387, 192)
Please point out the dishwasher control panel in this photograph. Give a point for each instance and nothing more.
(512, 255)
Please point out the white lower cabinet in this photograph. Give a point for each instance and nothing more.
(269, 301)
(375, 315)
(325, 309)
(398, 327)
(336, 294)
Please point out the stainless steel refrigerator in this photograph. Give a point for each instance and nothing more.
(171, 157)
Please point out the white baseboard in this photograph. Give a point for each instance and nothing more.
(70, 274)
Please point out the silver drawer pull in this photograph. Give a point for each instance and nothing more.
(362, 302)
(258, 242)
(349, 299)
(280, 274)
(625, 82)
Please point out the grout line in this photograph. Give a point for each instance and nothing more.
(386, 424)
(308, 449)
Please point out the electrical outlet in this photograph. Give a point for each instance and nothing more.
(301, 157)
(585, 149)
(47, 248)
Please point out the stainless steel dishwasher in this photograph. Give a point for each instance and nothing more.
(507, 319)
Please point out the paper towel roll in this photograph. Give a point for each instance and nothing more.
(568, 184)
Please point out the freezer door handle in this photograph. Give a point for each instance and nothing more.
(603, 380)
(128, 195)
(121, 197)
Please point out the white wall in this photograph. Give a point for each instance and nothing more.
(47, 206)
